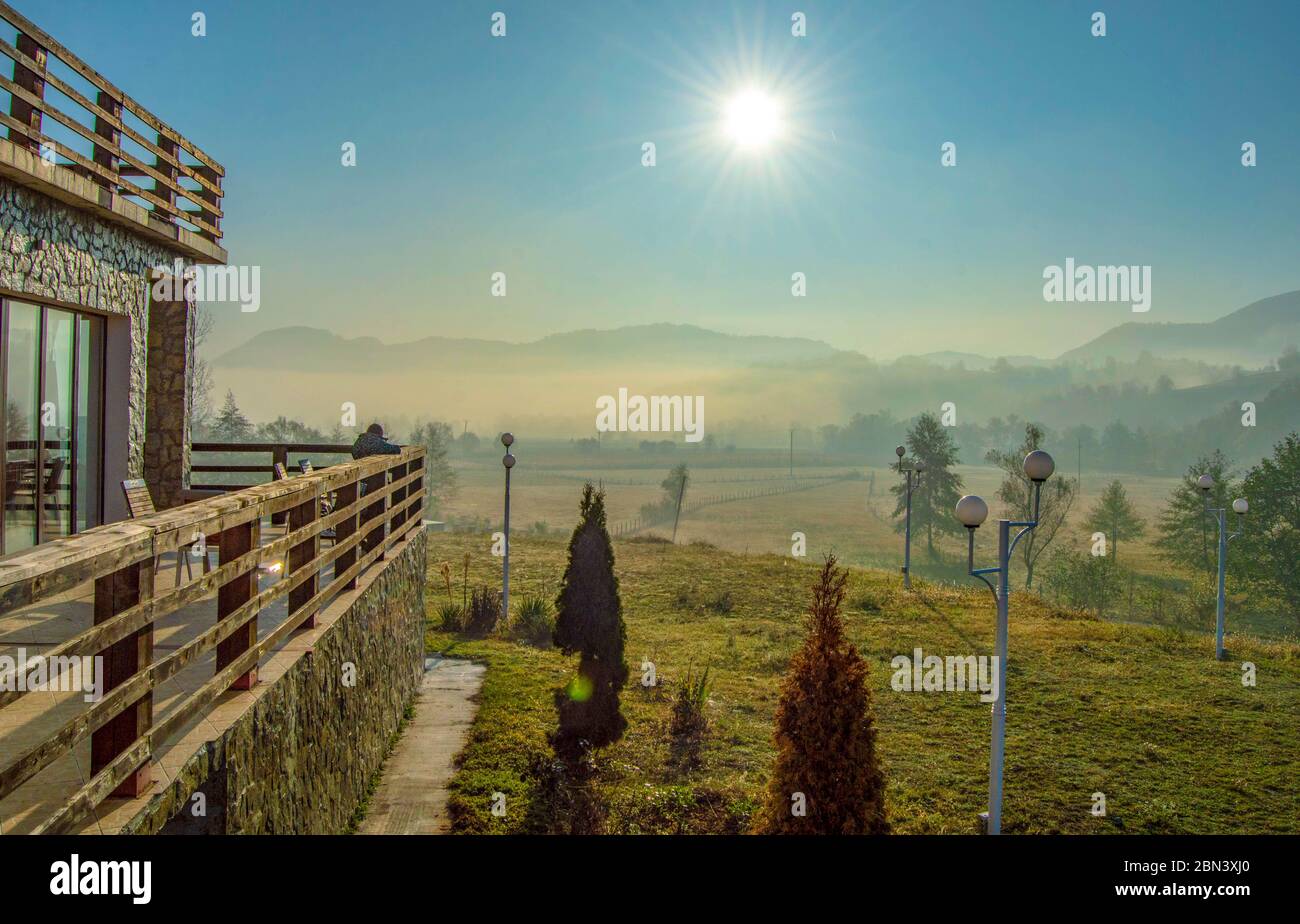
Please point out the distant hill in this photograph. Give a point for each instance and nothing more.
(315, 350)
(1250, 336)
(757, 385)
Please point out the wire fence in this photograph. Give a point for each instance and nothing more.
(635, 524)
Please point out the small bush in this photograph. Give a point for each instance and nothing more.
(722, 604)
(484, 611)
(534, 623)
(689, 724)
(452, 617)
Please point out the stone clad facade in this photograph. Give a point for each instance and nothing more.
(300, 759)
(51, 251)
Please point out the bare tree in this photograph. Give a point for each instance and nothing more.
(1017, 496)
(200, 382)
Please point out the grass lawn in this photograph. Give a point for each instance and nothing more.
(1144, 715)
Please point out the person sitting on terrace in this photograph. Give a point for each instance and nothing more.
(372, 443)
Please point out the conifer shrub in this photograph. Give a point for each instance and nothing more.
(589, 623)
(827, 777)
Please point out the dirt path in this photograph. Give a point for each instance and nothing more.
(412, 794)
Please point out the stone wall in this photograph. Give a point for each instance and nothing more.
(51, 250)
(300, 760)
(167, 419)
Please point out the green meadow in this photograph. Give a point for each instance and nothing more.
(1144, 714)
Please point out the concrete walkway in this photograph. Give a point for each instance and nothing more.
(412, 793)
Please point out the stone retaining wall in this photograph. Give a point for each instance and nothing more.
(300, 760)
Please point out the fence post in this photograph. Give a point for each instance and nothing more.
(236, 541)
(280, 455)
(114, 593)
(373, 537)
(205, 198)
(105, 129)
(162, 190)
(398, 495)
(301, 555)
(34, 84)
(344, 530)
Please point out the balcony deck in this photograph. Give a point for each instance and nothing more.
(37, 629)
(173, 682)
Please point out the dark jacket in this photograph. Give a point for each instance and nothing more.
(368, 444)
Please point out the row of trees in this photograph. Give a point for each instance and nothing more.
(1264, 555)
(1262, 565)
(1119, 446)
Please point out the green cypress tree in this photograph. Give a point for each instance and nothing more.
(589, 622)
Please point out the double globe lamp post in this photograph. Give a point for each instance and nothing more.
(971, 512)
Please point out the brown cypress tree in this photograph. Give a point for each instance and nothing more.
(589, 622)
(827, 779)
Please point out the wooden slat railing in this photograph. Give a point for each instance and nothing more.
(120, 558)
(110, 163)
(280, 453)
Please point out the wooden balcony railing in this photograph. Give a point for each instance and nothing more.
(377, 503)
(286, 454)
(171, 159)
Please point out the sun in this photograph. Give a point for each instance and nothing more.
(752, 119)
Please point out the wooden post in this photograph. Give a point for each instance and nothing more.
(205, 197)
(162, 190)
(374, 535)
(236, 541)
(114, 593)
(398, 495)
(300, 555)
(280, 454)
(417, 487)
(105, 129)
(347, 494)
(33, 83)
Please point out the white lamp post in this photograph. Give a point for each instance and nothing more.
(1240, 507)
(508, 460)
(916, 467)
(971, 512)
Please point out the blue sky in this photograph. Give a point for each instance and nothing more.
(522, 154)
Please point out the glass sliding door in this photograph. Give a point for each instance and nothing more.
(51, 381)
(58, 413)
(22, 343)
(87, 440)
